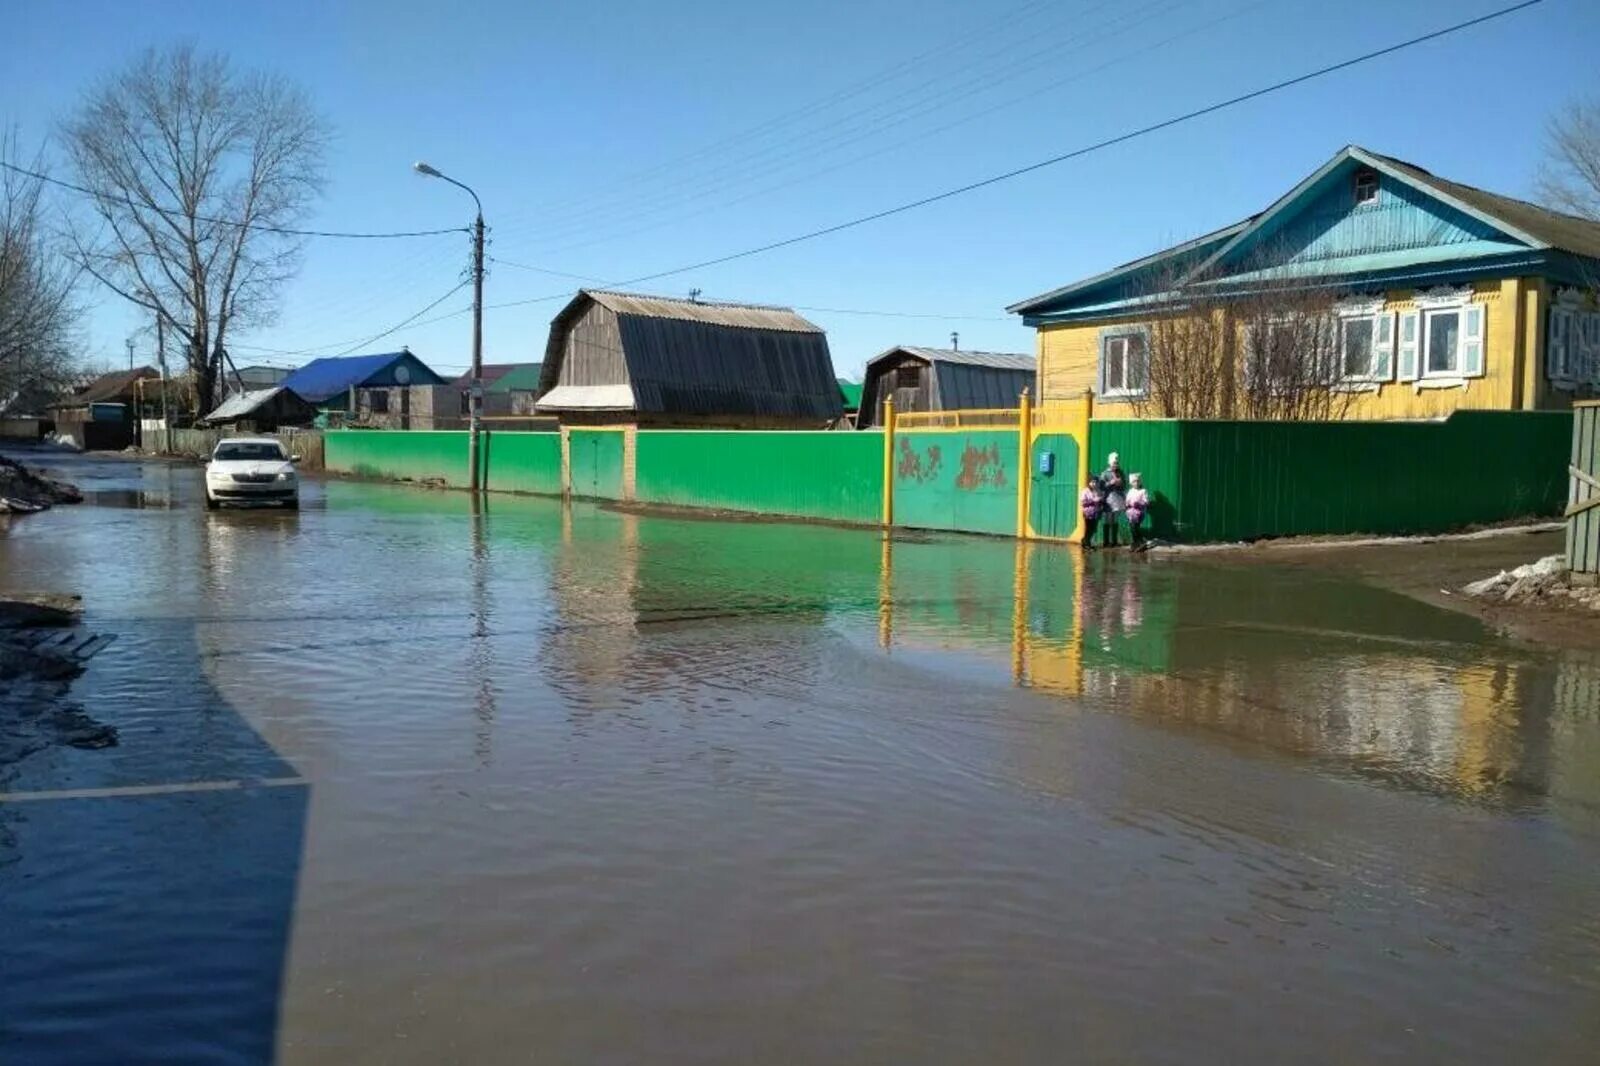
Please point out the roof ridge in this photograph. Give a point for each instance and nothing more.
(686, 300)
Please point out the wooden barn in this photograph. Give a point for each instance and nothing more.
(621, 358)
(262, 410)
(942, 379)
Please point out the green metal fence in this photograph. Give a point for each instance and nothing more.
(523, 462)
(417, 455)
(1229, 480)
(829, 475)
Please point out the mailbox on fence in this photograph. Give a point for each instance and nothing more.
(1047, 463)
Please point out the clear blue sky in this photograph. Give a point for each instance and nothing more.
(617, 139)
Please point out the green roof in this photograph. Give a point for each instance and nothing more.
(523, 376)
(850, 393)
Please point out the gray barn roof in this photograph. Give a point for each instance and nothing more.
(697, 358)
(964, 380)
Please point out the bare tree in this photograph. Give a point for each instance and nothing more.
(195, 170)
(38, 312)
(1569, 176)
(1269, 350)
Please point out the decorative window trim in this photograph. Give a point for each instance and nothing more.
(1444, 300)
(1358, 306)
(1442, 381)
(1358, 385)
(1570, 298)
(1443, 297)
(1383, 350)
(1106, 335)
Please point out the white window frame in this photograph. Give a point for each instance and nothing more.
(1383, 339)
(1457, 302)
(1123, 335)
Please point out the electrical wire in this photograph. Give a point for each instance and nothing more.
(1078, 74)
(1076, 153)
(263, 227)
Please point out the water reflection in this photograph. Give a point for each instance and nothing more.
(1367, 681)
(1362, 681)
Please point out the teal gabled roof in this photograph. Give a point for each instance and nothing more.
(1416, 224)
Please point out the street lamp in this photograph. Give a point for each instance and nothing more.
(475, 389)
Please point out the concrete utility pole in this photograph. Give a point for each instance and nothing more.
(475, 389)
(130, 353)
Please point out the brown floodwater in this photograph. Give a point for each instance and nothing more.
(396, 781)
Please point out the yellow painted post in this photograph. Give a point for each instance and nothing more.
(888, 462)
(1024, 464)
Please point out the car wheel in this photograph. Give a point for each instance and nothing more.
(292, 504)
(211, 502)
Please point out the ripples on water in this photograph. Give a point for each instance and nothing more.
(585, 786)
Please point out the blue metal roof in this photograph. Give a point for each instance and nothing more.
(322, 379)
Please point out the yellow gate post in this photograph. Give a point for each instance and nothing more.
(888, 462)
(1024, 463)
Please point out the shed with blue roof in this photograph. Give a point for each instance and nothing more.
(328, 383)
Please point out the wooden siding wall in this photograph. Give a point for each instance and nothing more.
(1069, 356)
(878, 384)
(594, 350)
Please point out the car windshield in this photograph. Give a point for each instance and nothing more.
(266, 449)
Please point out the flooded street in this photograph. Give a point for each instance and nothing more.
(401, 782)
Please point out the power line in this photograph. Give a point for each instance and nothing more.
(1078, 74)
(863, 125)
(1076, 153)
(545, 270)
(171, 213)
(995, 179)
(404, 322)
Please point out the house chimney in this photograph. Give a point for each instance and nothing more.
(955, 341)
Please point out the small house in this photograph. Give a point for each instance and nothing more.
(622, 358)
(942, 379)
(370, 390)
(1403, 294)
(100, 415)
(509, 390)
(262, 410)
(253, 378)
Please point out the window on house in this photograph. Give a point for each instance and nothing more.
(1124, 365)
(1357, 346)
(1441, 342)
(907, 377)
(378, 401)
(1366, 186)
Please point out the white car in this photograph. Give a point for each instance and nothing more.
(251, 470)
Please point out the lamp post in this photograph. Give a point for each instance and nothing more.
(475, 389)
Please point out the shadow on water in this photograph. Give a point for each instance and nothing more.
(148, 889)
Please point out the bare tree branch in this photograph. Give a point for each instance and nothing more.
(39, 312)
(187, 159)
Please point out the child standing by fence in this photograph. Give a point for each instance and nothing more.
(1138, 505)
(1114, 485)
(1090, 502)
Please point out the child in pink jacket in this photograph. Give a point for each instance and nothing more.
(1137, 505)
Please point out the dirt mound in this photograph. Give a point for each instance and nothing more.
(42, 649)
(1545, 581)
(24, 491)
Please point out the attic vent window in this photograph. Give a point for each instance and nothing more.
(1366, 185)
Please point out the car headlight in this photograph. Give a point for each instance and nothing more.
(287, 475)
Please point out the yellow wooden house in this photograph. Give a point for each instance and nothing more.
(1440, 297)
